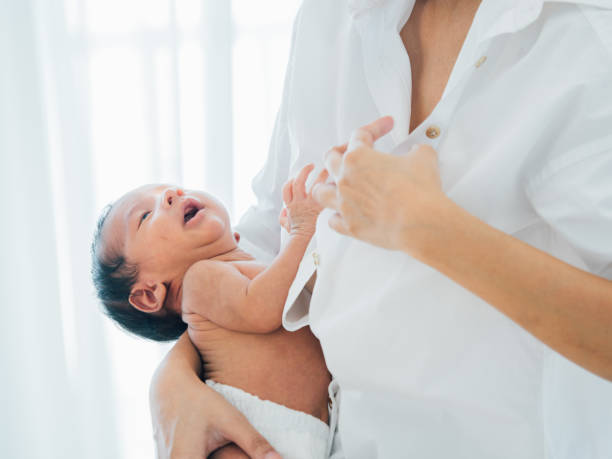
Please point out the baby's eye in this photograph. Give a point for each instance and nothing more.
(145, 215)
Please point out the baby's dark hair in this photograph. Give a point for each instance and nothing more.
(113, 278)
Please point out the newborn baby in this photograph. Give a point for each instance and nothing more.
(166, 260)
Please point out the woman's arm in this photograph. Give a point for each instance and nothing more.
(567, 308)
(190, 420)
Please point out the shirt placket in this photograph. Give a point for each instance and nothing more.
(388, 73)
(431, 131)
(473, 59)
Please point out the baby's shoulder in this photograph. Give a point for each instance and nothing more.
(206, 271)
(249, 268)
(202, 267)
(201, 284)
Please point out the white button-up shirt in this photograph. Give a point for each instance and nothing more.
(524, 136)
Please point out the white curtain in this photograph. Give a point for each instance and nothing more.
(97, 97)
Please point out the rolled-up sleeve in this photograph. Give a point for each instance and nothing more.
(570, 185)
(574, 196)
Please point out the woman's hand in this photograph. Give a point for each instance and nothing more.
(397, 202)
(190, 419)
(387, 200)
(229, 452)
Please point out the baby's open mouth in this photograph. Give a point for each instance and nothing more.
(190, 209)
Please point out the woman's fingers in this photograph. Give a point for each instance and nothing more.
(370, 133)
(337, 223)
(333, 160)
(323, 175)
(321, 178)
(229, 452)
(248, 439)
(326, 195)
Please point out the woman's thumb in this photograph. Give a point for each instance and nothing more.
(251, 441)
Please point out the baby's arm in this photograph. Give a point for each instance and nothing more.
(221, 293)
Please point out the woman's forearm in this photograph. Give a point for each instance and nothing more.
(190, 419)
(397, 202)
(184, 355)
(182, 361)
(180, 369)
(568, 309)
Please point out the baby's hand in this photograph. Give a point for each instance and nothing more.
(299, 216)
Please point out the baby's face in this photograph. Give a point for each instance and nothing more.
(164, 229)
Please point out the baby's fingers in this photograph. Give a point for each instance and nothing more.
(321, 178)
(299, 184)
(283, 219)
(288, 192)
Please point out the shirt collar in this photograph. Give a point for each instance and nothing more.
(358, 6)
(605, 4)
(509, 16)
(506, 15)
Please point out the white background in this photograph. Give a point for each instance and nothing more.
(98, 97)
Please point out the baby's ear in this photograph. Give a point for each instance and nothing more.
(148, 296)
(237, 237)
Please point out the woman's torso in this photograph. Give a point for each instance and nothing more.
(420, 359)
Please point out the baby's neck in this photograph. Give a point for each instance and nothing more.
(236, 254)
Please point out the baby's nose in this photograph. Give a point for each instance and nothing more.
(171, 193)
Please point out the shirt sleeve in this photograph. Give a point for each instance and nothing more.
(572, 189)
(575, 199)
(259, 227)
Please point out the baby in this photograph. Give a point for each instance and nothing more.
(166, 260)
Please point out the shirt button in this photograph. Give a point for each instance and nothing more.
(432, 132)
(315, 257)
(480, 61)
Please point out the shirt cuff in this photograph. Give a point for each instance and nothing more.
(297, 306)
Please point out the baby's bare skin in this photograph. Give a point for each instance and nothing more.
(284, 367)
(233, 307)
(189, 263)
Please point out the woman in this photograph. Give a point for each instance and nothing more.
(440, 281)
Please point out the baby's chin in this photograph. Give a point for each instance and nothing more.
(218, 239)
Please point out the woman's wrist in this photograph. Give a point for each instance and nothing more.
(423, 240)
